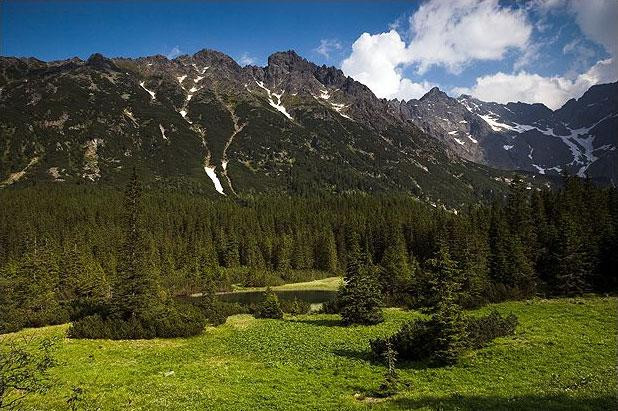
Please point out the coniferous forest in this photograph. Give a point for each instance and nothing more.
(68, 251)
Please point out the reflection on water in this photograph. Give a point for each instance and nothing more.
(248, 297)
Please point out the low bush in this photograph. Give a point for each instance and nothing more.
(161, 322)
(482, 330)
(418, 340)
(24, 370)
(330, 307)
(216, 311)
(415, 341)
(270, 307)
(295, 306)
(11, 320)
(51, 315)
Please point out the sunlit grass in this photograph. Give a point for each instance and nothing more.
(324, 284)
(562, 357)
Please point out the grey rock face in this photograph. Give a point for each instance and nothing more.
(581, 137)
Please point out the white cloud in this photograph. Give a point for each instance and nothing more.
(174, 52)
(453, 34)
(449, 34)
(327, 46)
(596, 19)
(553, 91)
(246, 60)
(375, 62)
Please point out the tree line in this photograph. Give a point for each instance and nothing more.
(62, 246)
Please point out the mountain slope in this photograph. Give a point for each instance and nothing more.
(581, 137)
(205, 123)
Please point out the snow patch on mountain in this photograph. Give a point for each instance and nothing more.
(129, 114)
(163, 132)
(183, 113)
(338, 107)
(210, 171)
(277, 105)
(152, 94)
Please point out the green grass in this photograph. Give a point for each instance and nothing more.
(324, 284)
(563, 357)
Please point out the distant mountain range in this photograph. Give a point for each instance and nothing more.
(581, 137)
(206, 124)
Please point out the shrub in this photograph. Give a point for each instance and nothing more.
(11, 320)
(269, 308)
(83, 307)
(50, 315)
(162, 322)
(330, 307)
(483, 330)
(418, 340)
(216, 311)
(415, 341)
(24, 370)
(295, 306)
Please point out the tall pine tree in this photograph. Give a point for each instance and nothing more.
(135, 288)
(359, 298)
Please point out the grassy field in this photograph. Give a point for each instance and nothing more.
(562, 358)
(325, 284)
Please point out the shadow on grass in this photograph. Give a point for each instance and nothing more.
(525, 402)
(321, 322)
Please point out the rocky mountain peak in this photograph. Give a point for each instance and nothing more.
(289, 61)
(215, 58)
(100, 62)
(434, 94)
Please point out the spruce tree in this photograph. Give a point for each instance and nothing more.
(269, 307)
(135, 287)
(447, 316)
(326, 254)
(359, 297)
(571, 262)
(396, 274)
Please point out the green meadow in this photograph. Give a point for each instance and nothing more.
(563, 357)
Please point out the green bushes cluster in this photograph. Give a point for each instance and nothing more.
(216, 311)
(330, 307)
(14, 318)
(419, 340)
(481, 331)
(295, 306)
(165, 322)
(270, 307)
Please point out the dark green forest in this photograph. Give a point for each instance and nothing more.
(61, 246)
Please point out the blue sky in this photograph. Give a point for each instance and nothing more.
(57, 30)
(540, 50)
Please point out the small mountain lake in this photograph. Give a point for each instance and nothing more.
(248, 297)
